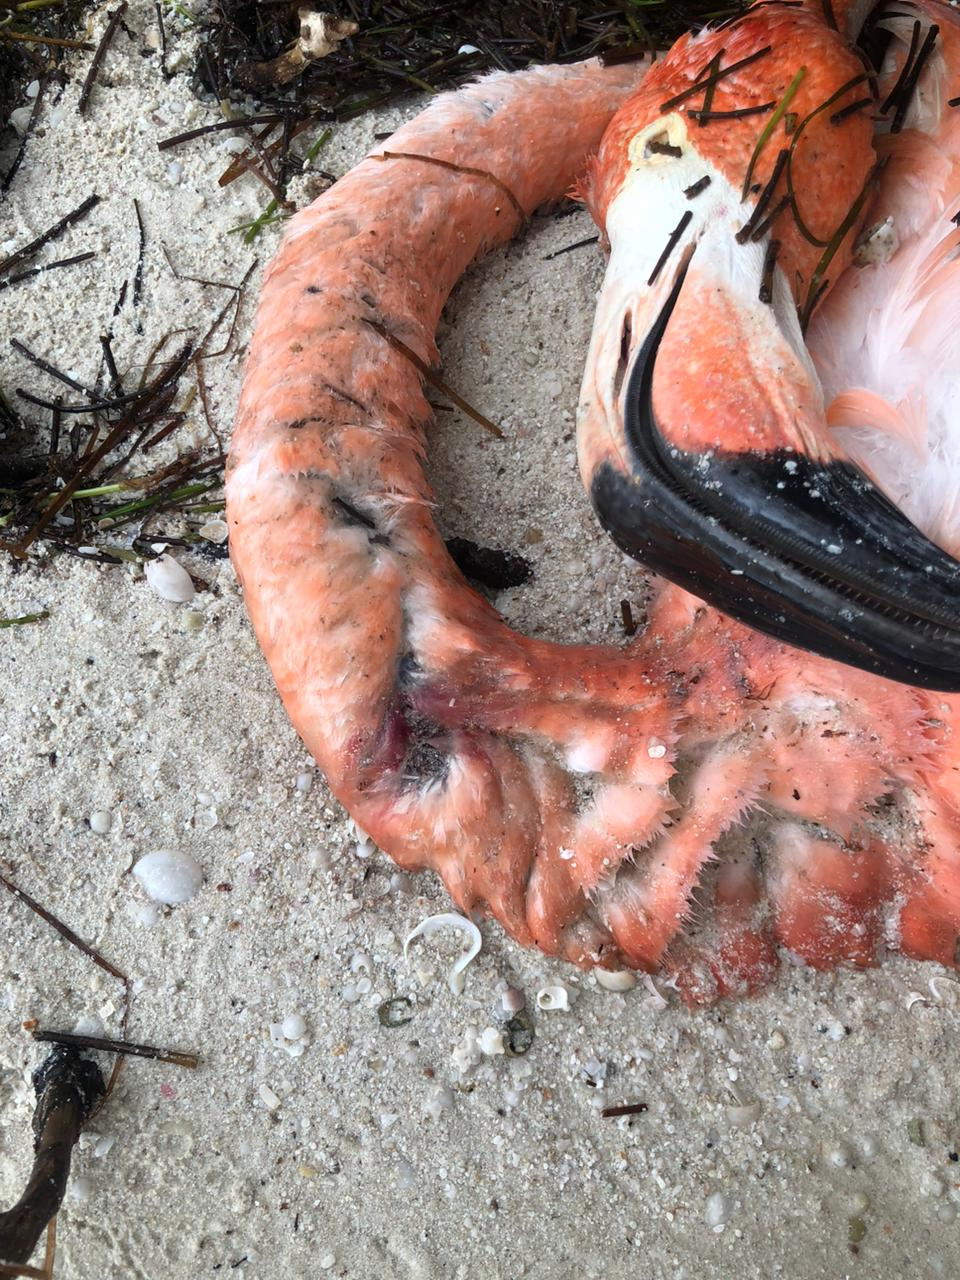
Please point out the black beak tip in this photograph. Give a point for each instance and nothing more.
(653, 522)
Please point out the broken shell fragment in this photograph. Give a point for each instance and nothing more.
(450, 920)
(616, 979)
(551, 998)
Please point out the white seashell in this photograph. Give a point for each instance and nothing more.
(101, 821)
(169, 876)
(215, 530)
(550, 998)
(512, 1000)
(293, 1026)
(169, 579)
(616, 979)
(268, 1097)
(450, 920)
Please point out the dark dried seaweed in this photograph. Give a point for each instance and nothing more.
(410, 44)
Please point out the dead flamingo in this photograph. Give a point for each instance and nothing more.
(540, 780)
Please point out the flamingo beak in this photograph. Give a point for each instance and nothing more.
(767, 525)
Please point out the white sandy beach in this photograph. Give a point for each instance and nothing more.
(777, 1131)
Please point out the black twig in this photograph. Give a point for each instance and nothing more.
(177, 139)
(850, 109)
(47, 266)
(158, 10)
(138, 273)
(176, 1057)
(910, 84)
(658, 148)
(695, 188)
(28, 250)
(27, 134)
(628, 1109)
(434, 379)
(98, 56)
(704, 117)
(40, 363)
(894, 93)
(568, 248)
(766, 275)
(713, 77)
(669, 247)
(763, 200)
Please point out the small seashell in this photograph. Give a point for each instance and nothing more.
(616, 979)
(512, 1000)
(450, 920)
(169, 876)
(490, 1041)
(215, 530)
(551, 998)
(169, 579)
(268, 1097)
(293, 1026)
(101, 821)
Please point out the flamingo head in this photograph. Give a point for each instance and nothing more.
(701, 431)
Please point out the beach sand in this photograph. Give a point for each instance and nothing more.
(812, 1132)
